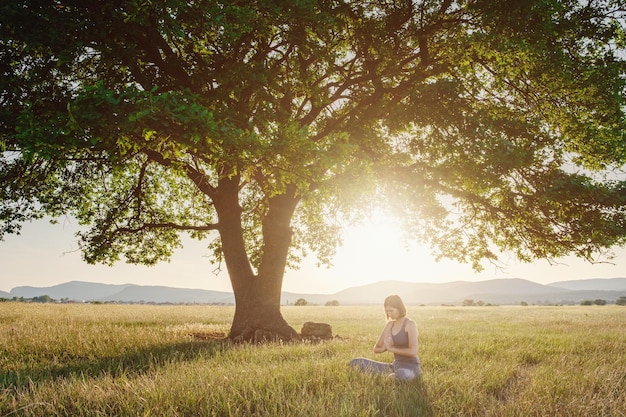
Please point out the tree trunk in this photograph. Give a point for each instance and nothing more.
(257, 296)
(258, 318)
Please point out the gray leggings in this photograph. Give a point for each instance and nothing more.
(402, 371)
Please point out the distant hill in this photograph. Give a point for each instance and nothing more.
(4, 294)
(74, 290)
(156, 294)
(496, 291)
(613, 284)
(91, 291)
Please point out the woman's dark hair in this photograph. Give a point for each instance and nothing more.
(395, 301)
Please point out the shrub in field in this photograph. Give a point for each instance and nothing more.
(43, 299)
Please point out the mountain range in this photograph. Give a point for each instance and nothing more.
(495, 291)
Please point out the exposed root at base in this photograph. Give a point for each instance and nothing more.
(261, 335)
(208, 335)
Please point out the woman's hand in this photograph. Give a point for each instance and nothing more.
(384, 341)
(388, 343)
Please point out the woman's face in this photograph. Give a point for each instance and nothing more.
(392, 312)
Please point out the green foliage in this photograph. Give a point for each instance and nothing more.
(621, 301)
(90, 360)
(42, 299)
(486, 125)
(301, 302)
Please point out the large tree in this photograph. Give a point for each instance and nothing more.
(487, 125)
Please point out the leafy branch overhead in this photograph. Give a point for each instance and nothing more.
(484, 124)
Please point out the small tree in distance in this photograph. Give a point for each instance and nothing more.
(261, 126)
(43, 299)
(301, 302)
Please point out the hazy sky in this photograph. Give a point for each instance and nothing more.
(45, 255)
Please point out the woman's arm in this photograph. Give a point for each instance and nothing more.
(411, 350)
(379, 347)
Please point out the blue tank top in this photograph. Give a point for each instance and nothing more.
(401, 339)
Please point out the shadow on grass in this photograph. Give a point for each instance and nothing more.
(131, 362)
(410, 399)
(389, 397)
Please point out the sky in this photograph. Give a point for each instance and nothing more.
(46, 254)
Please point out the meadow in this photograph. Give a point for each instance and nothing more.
(144, 360)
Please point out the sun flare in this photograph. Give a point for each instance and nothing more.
(379, 249)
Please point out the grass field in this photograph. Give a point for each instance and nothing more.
(104, 360)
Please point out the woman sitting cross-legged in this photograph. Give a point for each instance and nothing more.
(398, 337)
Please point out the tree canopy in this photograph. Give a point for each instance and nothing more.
(487, 125)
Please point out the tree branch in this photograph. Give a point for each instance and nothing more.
(167, 225)
(195, 175)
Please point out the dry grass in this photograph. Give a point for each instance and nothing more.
(102, 360)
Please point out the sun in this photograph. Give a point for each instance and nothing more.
(378, 249)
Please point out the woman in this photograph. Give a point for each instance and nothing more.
(398, 337)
